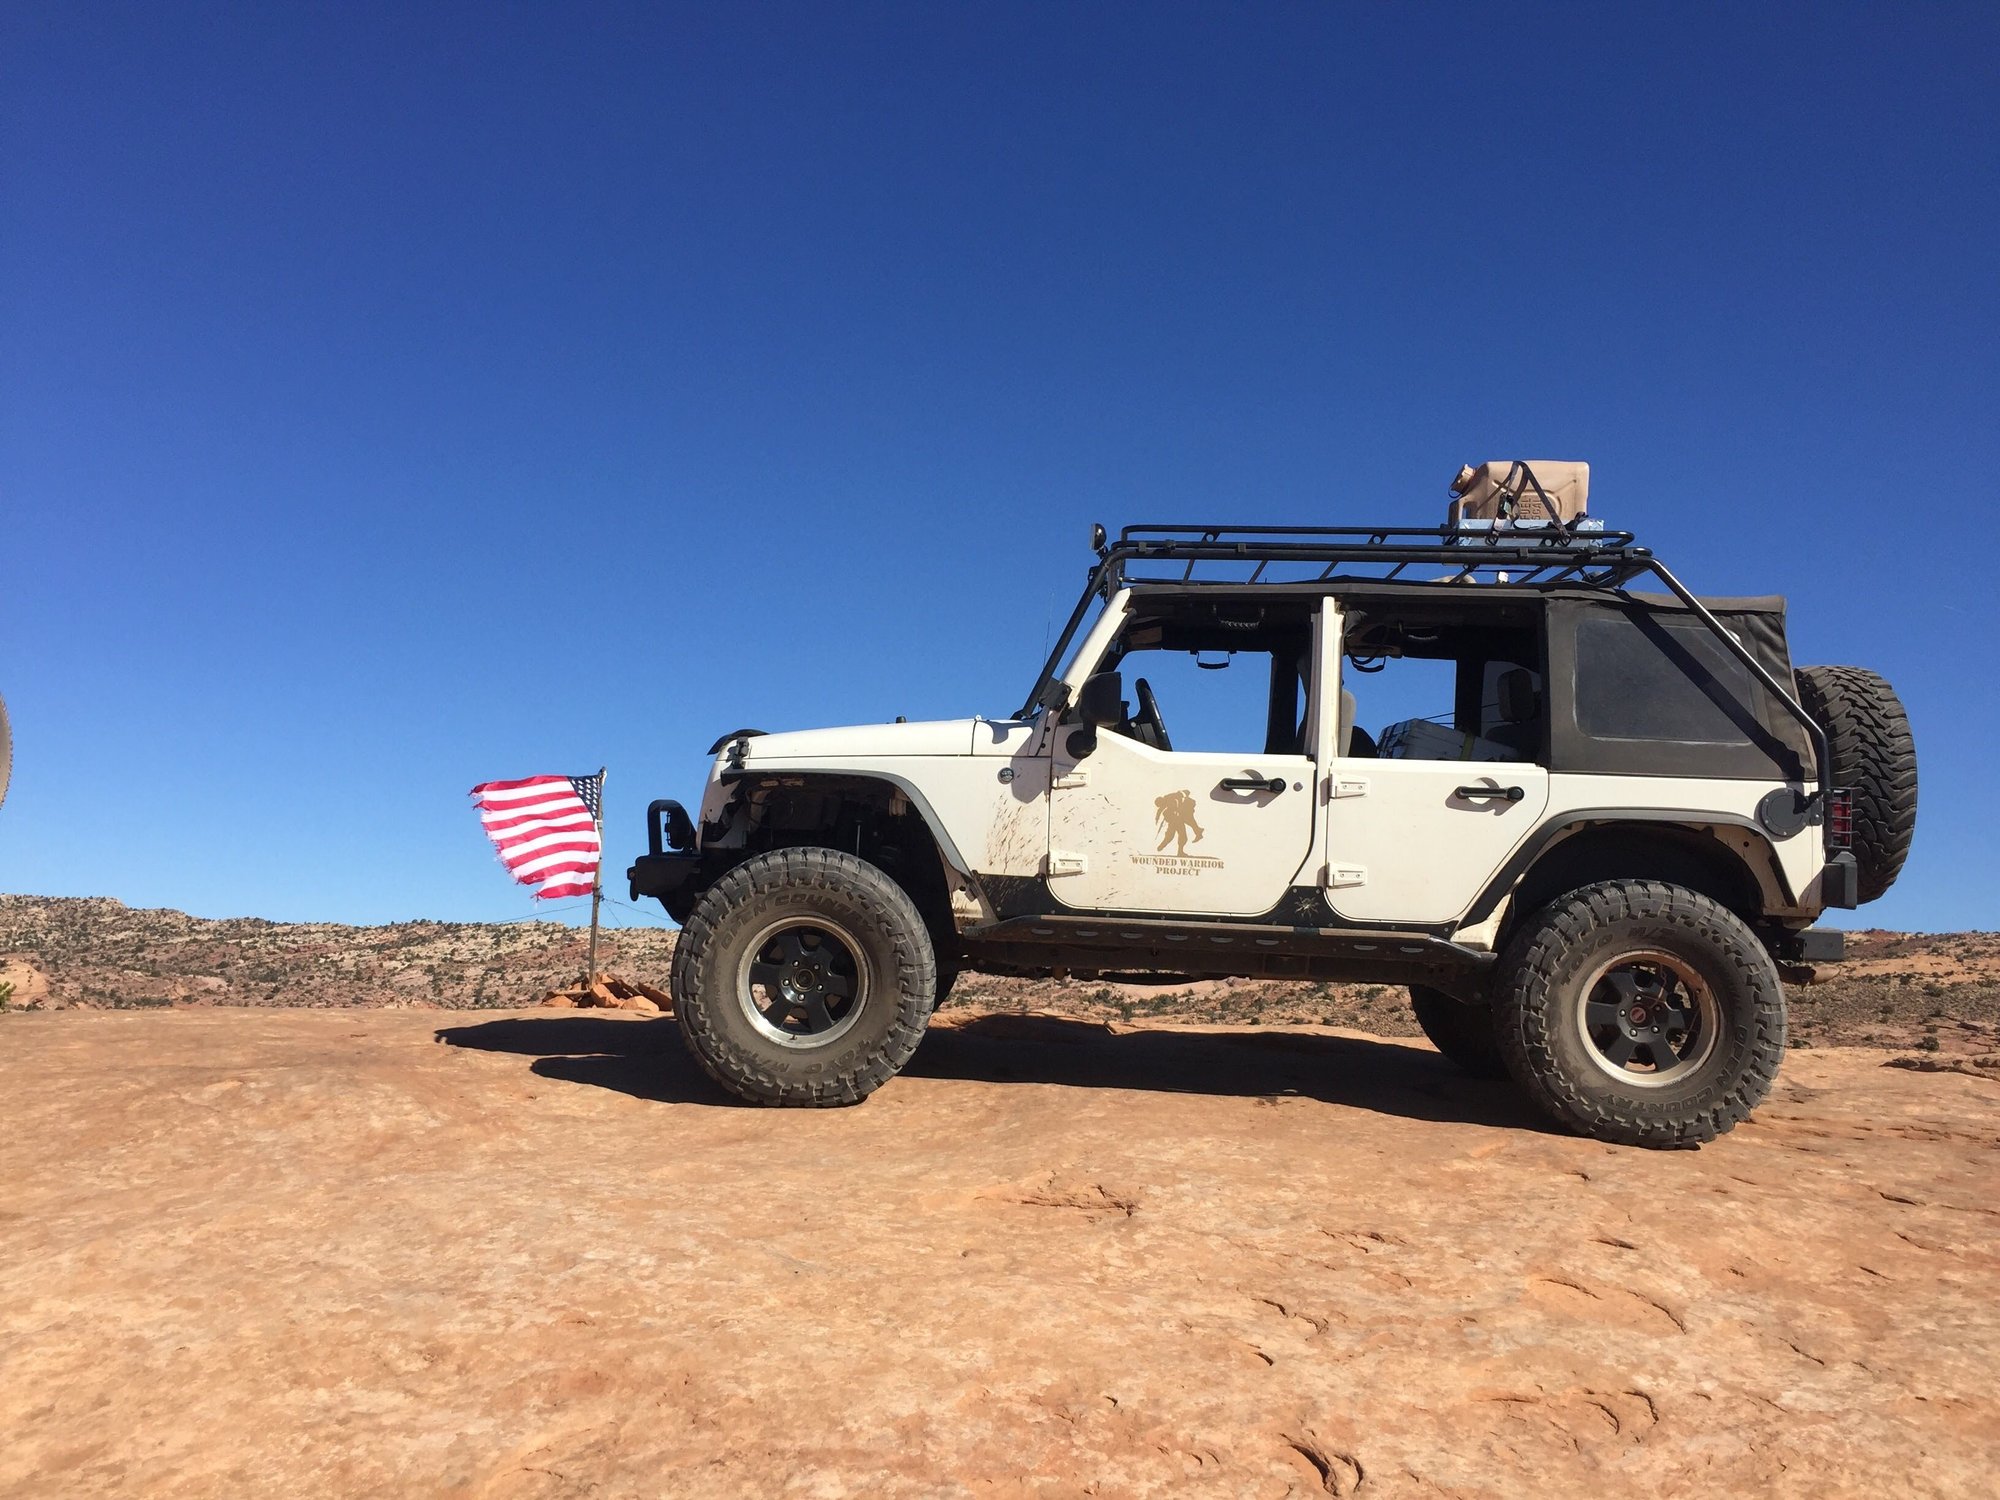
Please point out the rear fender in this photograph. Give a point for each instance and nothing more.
(1721, 856)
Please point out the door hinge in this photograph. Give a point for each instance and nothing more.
(1346, 786)
(1337, 876)
(1077, 777)
(1064, 864)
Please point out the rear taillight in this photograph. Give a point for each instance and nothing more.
(1840, 819)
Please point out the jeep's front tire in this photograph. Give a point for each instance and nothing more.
(803, 976)
(1463, 1033)
(1640, 1013)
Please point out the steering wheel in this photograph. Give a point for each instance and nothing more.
(1147, 725)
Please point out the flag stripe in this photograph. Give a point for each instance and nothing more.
(523, 860)
(532, 793)
(497, 826)
(539, 865)
(515, 788)
(530, 839)
(563, 871)
(512, 828)
(508, 786)
(537, 798)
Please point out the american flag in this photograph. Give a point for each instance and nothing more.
(548, 830)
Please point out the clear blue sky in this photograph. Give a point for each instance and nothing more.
(397, 397)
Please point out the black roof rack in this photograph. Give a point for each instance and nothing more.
(1513, 553)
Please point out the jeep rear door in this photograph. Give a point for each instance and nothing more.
(1437, 771)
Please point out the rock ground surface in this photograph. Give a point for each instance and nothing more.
(1935, 993)
(313, 1252)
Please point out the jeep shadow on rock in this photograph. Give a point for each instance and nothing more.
(1590, 873)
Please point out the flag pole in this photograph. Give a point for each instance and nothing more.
(596, 884)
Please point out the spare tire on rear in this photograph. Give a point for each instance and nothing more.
(1875, 757)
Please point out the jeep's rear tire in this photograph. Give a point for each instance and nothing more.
(803, 976)
(1463, 1033)
(1640, 1013)
(1874, 756)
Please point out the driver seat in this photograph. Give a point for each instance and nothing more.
(1352, 741)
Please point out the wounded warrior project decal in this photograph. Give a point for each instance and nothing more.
(1174, 816)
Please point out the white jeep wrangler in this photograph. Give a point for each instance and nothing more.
(1590, 871)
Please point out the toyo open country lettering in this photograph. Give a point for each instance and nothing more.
(1591, 872)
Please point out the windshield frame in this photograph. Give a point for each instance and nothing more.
(1049, 690)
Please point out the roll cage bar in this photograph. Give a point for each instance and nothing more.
(1518, 555)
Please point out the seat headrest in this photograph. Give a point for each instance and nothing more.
(1520, 701)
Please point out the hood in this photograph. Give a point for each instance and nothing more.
(932, 737)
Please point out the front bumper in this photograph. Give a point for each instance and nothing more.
(670, 869)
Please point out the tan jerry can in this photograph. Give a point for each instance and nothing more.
(1507, 489)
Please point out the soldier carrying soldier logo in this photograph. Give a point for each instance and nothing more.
(1174, 813)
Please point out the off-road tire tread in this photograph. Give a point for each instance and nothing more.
(1874, 755)
(1524, 993)
(771, 874)
(1463, 1033)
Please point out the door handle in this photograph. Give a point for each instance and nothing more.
(1511, 793)
(1273, 785)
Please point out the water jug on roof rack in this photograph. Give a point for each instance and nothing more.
(1543, 490)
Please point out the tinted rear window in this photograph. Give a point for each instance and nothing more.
(1639, 677)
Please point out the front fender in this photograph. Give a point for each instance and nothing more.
(833, 776)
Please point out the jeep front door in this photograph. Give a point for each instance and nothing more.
(1140, 824)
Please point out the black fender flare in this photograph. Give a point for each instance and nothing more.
(947, 849)
(1770, 879)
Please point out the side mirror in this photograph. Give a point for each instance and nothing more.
(1102, 701)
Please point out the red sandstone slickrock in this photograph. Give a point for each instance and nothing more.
(314, 1252)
